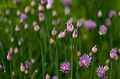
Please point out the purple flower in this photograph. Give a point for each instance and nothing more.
(108, 22)
(75, 33)
(101, 72)
(40, 7)
(112, 13)
(102, 30)
(70, 26)
(113, 53)
(16, 1)
(65, 67)
(89, 24)
(85, 60)
(54, 77)
(43, 2)
(67, 2)
(49, 4)
(22, 17)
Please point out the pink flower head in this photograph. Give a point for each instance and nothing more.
(85, 60)
(65, 67)
(89, 24)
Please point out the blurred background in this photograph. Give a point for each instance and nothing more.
(26, 30)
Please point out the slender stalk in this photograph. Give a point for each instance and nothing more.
(11, 70)
(100, 47)
(81, 44)
(111, 45)
(91, 71)
(71, 59)
(3, 60)
(42, 55)
(77, 68)
(65, 50)
(57, 71)
(111, 70)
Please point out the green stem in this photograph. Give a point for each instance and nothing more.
(42, 55)
(111, 70)
(11, 70)
(3, 60)
(57, 71)
(71, 59)
(111, 45)
(91, 72)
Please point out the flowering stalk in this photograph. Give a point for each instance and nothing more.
(71, 59)
(42, 55)
(111, 45)
(91, 71)
(57, 71)
(2, 59)
(11, 70)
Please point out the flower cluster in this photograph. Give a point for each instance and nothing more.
(65, 67)
(25, 67)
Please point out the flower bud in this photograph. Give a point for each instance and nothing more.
(54, 31)
(9, 55)
(75, 33)
(17, 28)
(94, 49)
(70, 26)
(22, 68)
